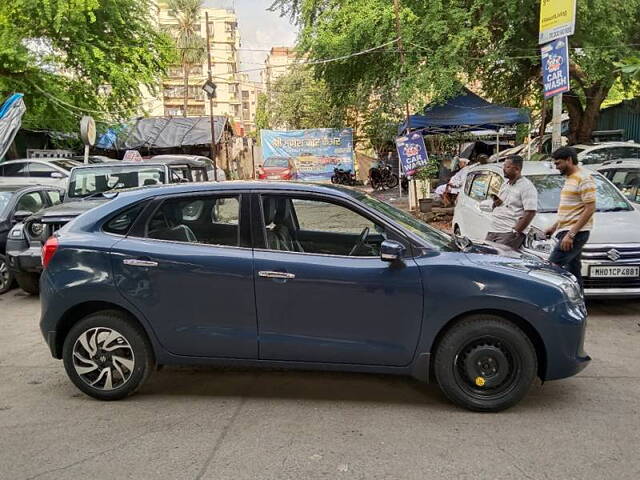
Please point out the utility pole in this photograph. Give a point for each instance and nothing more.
(556, 123)
(396, 6)
(213, 128)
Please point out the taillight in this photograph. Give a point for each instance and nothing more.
(49, 250)
(286, 172)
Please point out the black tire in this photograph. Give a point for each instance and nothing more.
(485, 363)
(375, 184)
(456, 230)
(334, 179)
(29, 282)
(7, 279)
(134, 351)
(392, 181)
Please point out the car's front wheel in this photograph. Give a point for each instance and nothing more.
(485, 363)
(107, 355)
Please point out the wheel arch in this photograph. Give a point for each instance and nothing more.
(522, 323)
(81, 310)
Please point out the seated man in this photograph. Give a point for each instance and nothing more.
(449, 192)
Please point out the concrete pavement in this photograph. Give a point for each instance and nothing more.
(197, 423)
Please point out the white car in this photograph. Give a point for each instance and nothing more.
(176, 157)
(614, 242)
(624, 174)
(29, 171)
(593, 156)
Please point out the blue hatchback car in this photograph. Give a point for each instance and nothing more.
(299, 276)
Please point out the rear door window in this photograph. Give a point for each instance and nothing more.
(41, 170)
(210, 219)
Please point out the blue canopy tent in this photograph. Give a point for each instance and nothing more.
(465, 113)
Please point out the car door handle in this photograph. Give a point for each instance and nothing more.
(136, 262)
(279, 275)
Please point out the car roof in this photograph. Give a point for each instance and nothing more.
(595, 146)
(118, 163)
(26, 187)
(243, 185)
(621, 163)
(191, 160)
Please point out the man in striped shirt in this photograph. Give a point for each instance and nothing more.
(575, 212)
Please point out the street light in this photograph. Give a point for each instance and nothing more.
(210, 88)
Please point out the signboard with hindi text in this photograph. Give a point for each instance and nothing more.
(557, 19)
(555, 67)
(313, 154)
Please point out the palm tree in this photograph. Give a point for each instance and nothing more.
(192, 48)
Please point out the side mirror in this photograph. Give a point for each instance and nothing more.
(390, 251)
(21, 216)
(486, 206)
(57, 175)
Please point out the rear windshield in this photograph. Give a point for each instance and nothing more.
(608, 199)
(93, 181)
(276, 162)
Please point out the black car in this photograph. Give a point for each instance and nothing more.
(18, 202)
(89, 186)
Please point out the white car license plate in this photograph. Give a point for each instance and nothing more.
(614, 271)
(273, 177)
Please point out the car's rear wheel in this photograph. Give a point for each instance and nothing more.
(107, 355)
(6, 276)
(485, 363)
(29, 282)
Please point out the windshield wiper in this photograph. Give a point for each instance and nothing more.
(615, 209)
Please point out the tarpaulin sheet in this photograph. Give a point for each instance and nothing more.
(162, 132)
(11, 113)
(464, 113)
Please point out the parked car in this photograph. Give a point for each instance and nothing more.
(593, 156)
(277, 168)
(193, 163)
(27, 171)
(18, 202)
(89, 186)
(614, 240)
(250, 273)
(624, 174)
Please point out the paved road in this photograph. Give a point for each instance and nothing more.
(220, 424)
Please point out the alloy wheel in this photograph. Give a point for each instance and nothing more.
(103, 358)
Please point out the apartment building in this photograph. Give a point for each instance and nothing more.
(249, 92)
(225, 42)
(277, 64)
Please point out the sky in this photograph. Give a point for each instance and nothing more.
(259, 30)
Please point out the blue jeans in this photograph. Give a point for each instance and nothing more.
(570, 260)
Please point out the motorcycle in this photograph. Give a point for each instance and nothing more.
(382, 177)
(343, 177)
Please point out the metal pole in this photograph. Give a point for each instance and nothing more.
(498, 140)
(86, 154)
(556, 135)
(213, 127)
(396, 6)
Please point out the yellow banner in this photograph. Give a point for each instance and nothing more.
(557, 19)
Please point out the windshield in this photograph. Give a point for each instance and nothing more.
(5, 198)
(627, 180)
(86, 182)
(608, 199)
(276, 162)
(433, 237)
(66, 164)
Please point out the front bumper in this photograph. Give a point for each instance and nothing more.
(27, 260)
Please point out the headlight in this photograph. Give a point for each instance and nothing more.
(537, 242)
(17, 232)
(36, 229)
(569, 287)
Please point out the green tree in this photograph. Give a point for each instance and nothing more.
(262, 113)
(298, 101)
(191, 47)
(490, 43)
(75, 57)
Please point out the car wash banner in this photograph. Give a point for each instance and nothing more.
(312, 154)
(412, 152)
(555, 67)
